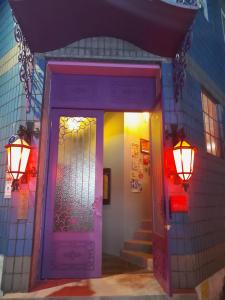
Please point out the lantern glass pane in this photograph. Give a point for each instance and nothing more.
(15, 160)
(186, 161)
(8, 153)
(178, 160)
(192, 160)
(24, 159)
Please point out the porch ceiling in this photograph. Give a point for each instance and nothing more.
(153, 25)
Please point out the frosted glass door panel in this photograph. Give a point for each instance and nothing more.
(75, 177)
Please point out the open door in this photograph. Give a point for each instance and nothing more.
(73, 218)
(161, 263)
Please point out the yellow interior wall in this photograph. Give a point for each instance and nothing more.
(113, 158)
(136, 205)
(123, 216)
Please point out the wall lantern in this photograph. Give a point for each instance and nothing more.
(180, 158)
(18, 152)
(184, 155)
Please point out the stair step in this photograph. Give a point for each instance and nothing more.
(143, 235)
(141, 259)
(146, 224)
(138, 245)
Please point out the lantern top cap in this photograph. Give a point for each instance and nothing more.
(182, 143)
(20, 141)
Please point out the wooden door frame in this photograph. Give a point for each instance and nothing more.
(81, 68)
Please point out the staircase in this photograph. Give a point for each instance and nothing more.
(138, 251)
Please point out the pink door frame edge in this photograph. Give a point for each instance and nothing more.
(81, 68)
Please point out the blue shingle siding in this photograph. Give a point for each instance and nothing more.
(197, 239)
(6, 27)
(10, 91)
(208, 48)
(16, 236)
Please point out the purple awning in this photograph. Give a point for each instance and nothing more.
(153, 25)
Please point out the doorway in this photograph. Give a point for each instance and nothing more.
(99, 86)
(127, 225)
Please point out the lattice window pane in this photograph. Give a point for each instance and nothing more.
(75, 179)
(211, 125)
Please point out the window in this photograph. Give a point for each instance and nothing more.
(223, 22)
(211, 125)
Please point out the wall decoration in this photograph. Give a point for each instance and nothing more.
(134, 174)
(135, 156)
(135, 163)
(134, 150)
(136, 185)
(106, 185)
(146, 160)
(8, 186)
(137, 174)
(144, 146)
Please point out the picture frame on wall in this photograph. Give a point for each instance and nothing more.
(145, 146)
(106, 186)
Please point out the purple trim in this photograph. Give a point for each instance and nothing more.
(161, 249)
(167, 204)
(99, 68)
(103, 92)
(77, 241)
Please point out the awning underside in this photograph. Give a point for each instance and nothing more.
(155, 26)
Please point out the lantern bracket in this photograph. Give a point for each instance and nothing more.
(15, 185)
(175, 134)
(27, 132)
(185, 186)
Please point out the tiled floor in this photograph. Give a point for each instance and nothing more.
(130, 282)
(115, 285)
(112, 265)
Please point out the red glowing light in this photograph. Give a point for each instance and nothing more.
(179, 203)
(184, 154)
(18, 153)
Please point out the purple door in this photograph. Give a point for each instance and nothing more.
(161, 262)
(72, 235)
